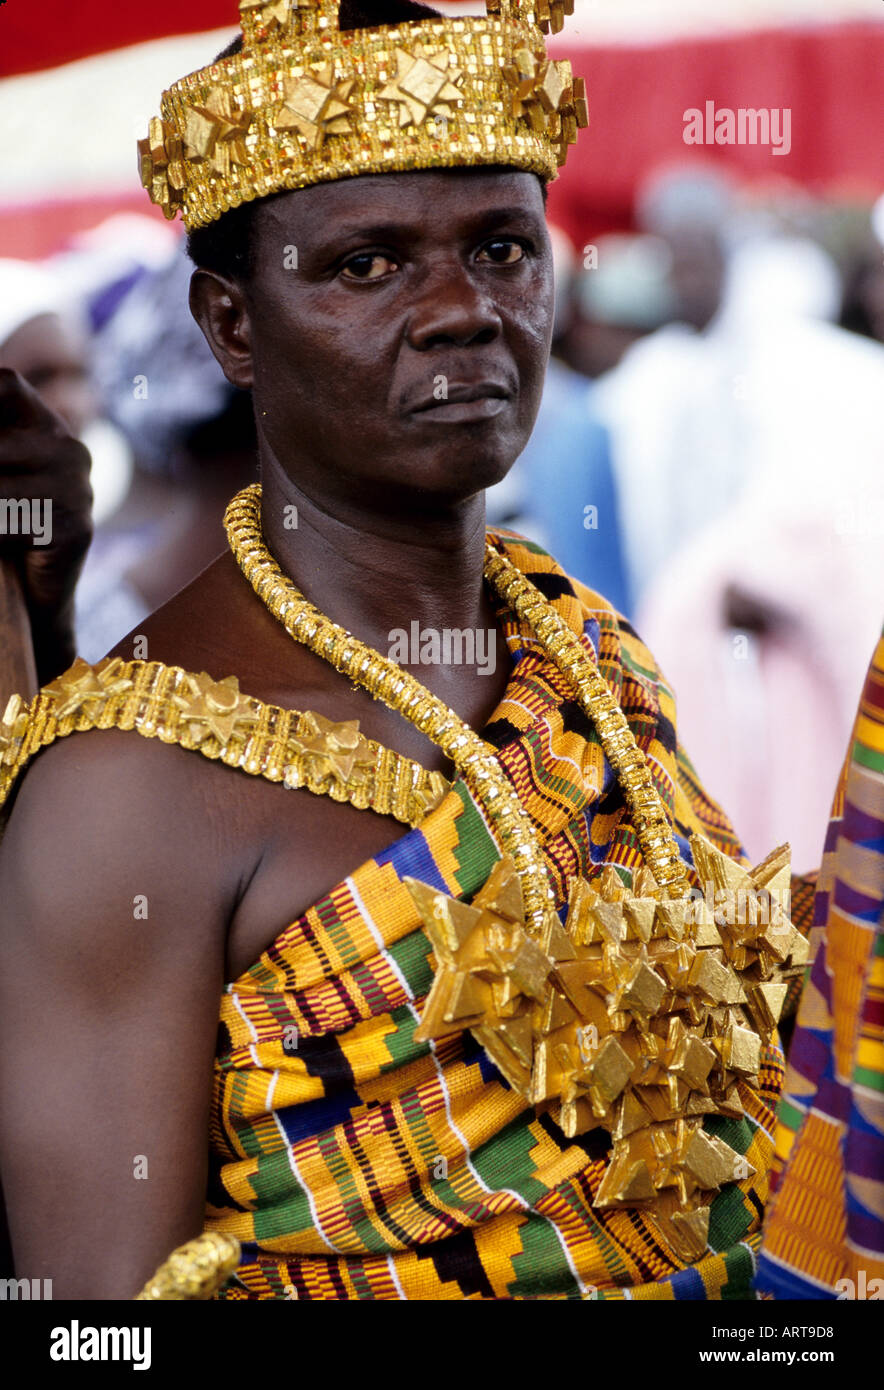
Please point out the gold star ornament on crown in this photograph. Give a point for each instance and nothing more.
(641, 1015)
(305, 103)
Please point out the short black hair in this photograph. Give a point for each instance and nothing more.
(225, 245)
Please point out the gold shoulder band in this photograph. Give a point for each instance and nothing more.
(301, 749)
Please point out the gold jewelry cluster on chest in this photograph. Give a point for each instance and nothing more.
(640, 1015)
(214, 718)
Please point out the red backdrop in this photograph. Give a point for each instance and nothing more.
(31, 39)
(830, 76)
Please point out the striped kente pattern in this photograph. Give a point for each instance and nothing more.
(355, 1163)
(824, 1236)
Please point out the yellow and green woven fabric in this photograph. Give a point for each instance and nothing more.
(824, 1236)
(353, 1162)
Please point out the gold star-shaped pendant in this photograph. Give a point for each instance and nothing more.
(215, 708)
(152, 150)
(215, 133)
(315, 106)
(155, 154)
(73, 688)
(521, 75)
(488, 966)
(641, 1015)
(540, 88)
(551, 86)
(423, 86)
(334, 750)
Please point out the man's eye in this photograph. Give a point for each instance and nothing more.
(503, 252)
(370, 266)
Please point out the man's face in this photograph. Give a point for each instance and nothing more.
(400, 328)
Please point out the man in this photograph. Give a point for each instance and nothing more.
(393, 329)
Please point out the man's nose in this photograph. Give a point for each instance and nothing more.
(450, 307)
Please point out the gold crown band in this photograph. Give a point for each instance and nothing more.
(306, 103)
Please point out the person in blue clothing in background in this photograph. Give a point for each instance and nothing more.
(562, 491)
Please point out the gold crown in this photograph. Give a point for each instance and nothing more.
(306, 103)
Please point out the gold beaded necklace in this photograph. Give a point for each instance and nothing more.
(474, 759)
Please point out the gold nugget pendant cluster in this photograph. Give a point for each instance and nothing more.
(640, 1015)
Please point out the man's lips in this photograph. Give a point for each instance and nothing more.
(463, 402)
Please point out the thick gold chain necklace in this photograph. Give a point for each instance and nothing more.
(474, 759)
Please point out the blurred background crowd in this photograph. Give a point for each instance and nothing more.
(709, 454)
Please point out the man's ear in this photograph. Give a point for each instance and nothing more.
(219, 307)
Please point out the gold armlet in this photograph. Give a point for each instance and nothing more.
(194, 1272)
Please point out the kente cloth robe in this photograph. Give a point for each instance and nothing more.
(353, 1162)
(824, 1233)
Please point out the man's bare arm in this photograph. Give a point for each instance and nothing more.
(111, 969)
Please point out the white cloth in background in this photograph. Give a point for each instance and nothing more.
(752, 457)
(26, 292)
(694, 418)
(766, 718)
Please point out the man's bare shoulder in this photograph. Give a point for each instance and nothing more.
(218, 625)
(215, 624)
(98, 810)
